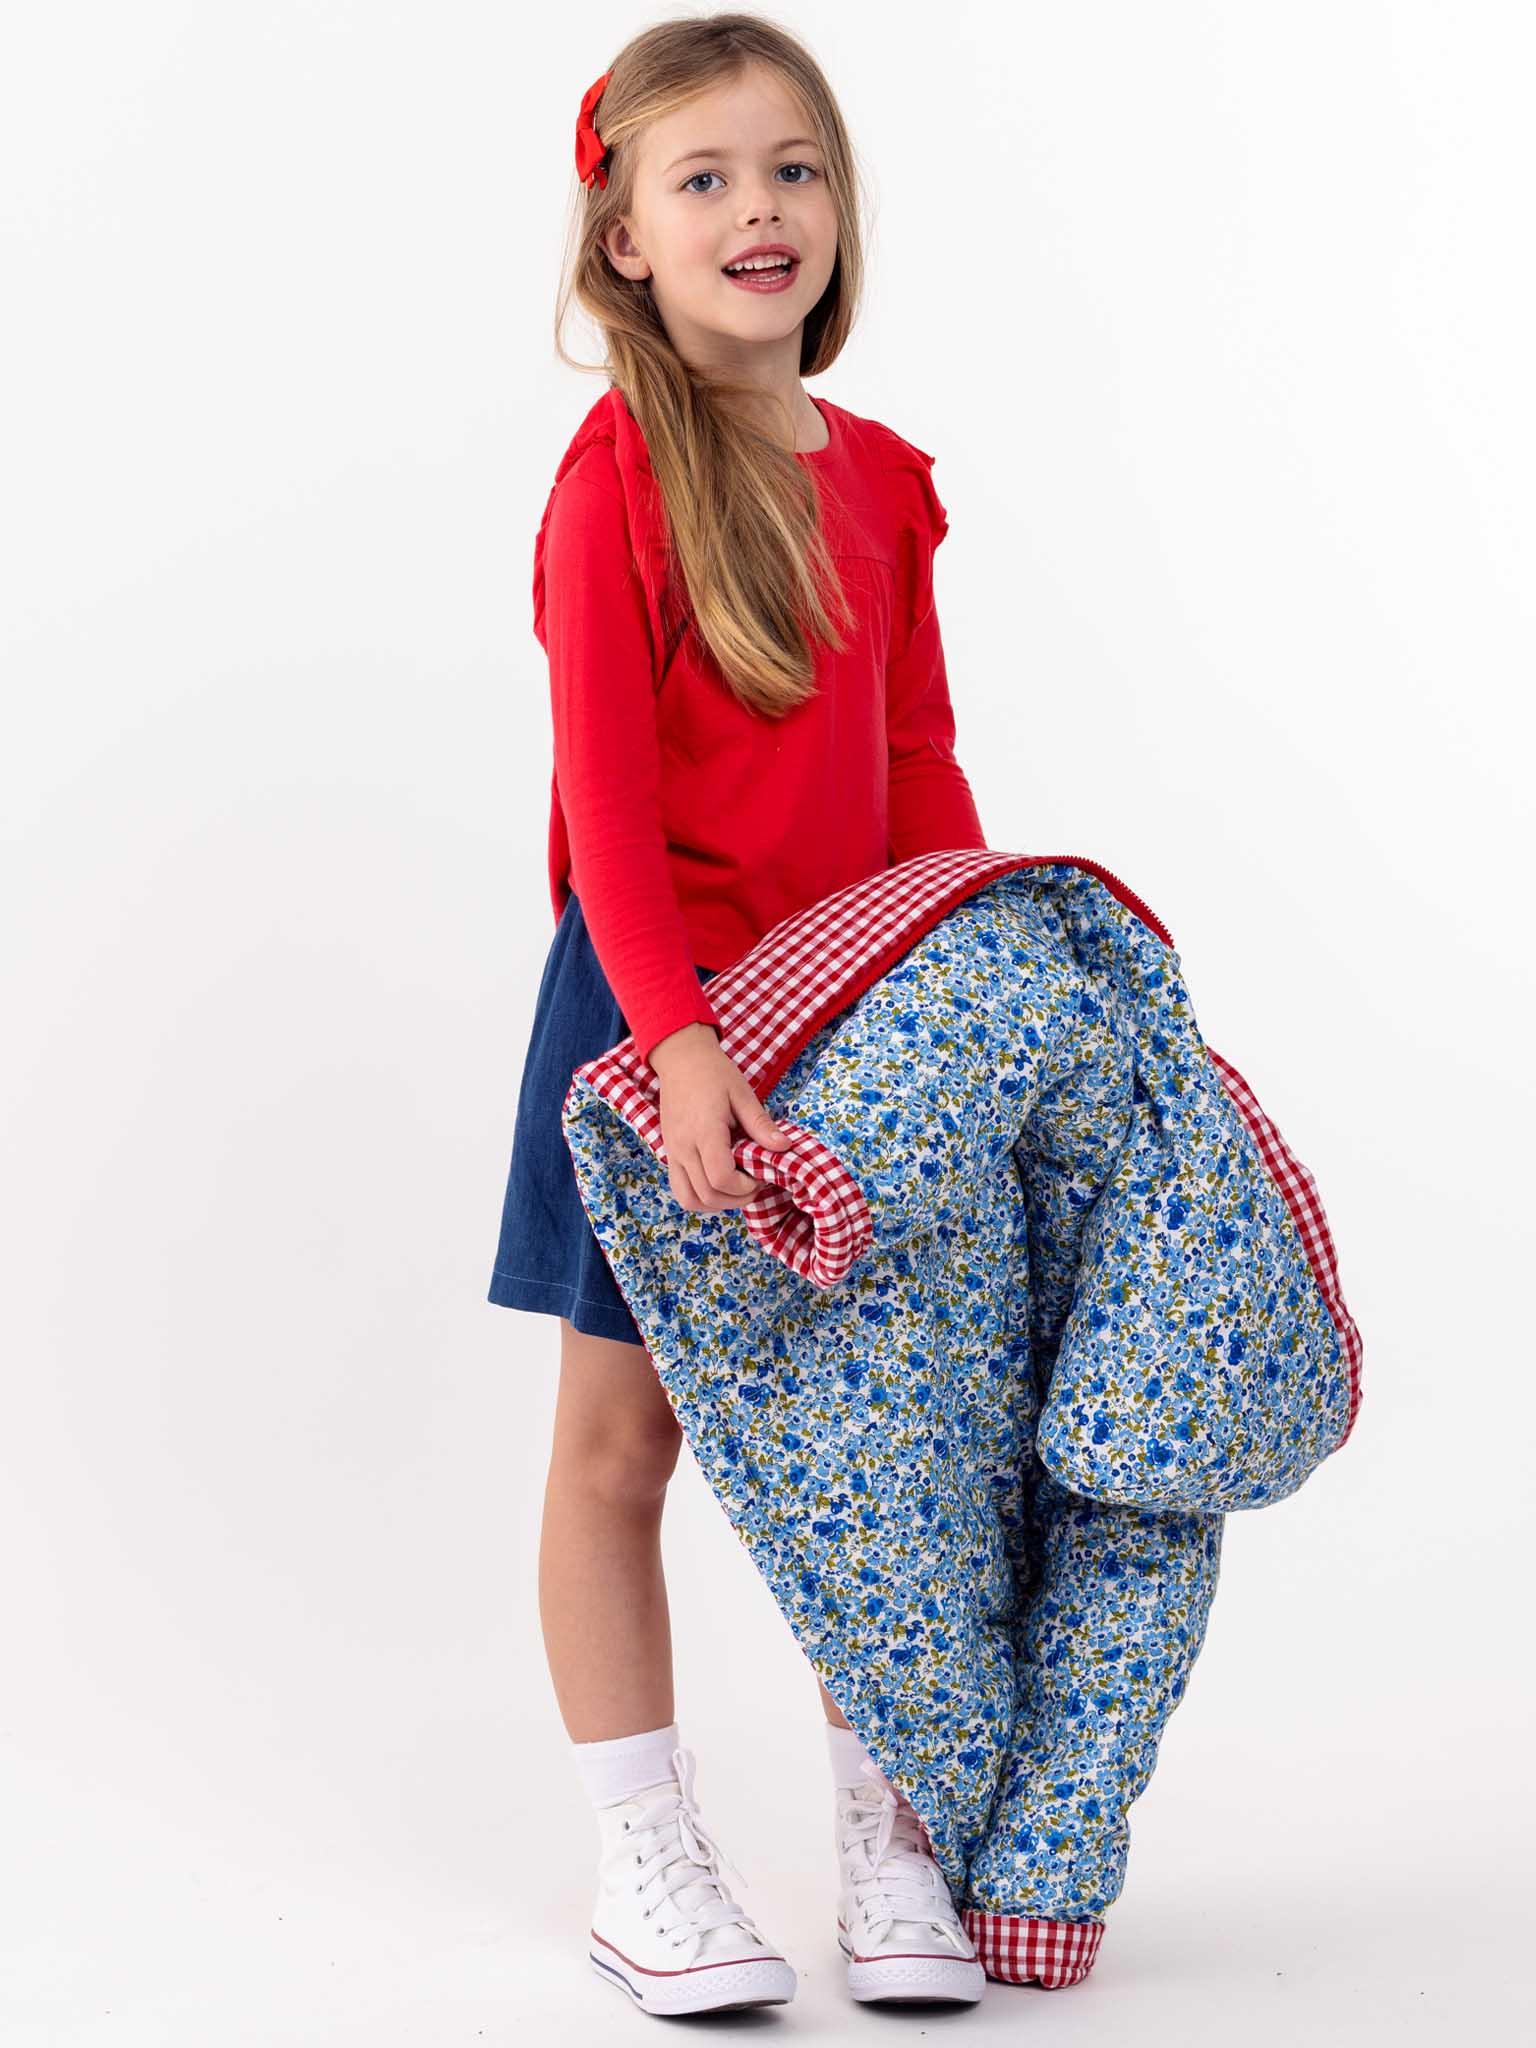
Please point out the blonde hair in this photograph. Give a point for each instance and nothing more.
(743, 517)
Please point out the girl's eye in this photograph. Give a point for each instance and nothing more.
(691, 184)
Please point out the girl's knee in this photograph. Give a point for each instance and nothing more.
(615, 1433)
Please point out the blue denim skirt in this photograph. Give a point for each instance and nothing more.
(548, 1259)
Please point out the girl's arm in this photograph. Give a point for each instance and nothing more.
(607, 755)
(931, 804)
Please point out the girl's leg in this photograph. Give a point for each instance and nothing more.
(830, 1708)
(602, 1594)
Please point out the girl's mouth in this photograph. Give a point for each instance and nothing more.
(777, 277)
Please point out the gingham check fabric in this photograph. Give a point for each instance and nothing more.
(1020, 1949)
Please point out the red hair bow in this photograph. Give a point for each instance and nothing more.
(590, 148)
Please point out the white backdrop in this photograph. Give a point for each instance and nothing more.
(1219, 323)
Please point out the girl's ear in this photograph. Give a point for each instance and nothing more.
(619, 247)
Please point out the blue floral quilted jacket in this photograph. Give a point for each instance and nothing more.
(1034, 1298)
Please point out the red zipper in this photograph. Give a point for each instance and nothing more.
(1123, 890)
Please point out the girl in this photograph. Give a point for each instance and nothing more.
(733, 583)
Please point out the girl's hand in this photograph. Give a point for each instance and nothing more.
(703, 1093)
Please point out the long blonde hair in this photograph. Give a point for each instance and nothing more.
(742, 514)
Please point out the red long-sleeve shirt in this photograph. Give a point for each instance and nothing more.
(688, 824)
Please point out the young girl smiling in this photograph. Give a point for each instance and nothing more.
(733, 584)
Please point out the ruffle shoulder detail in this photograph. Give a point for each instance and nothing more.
(608, 450)
(600, 451)
(909, 473)
(600, 429)
(919, 524)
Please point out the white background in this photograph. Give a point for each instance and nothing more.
(1219, 323)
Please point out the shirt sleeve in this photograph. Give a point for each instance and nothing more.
(597, 634)
(931, 807)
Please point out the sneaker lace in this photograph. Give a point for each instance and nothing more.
(902, 1881)
(686, 1850)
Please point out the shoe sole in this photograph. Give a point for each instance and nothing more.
(713, 1987)
(913, 1980)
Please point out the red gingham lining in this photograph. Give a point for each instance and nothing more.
(1016, 1948)
(811, 966)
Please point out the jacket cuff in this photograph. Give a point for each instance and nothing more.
(1018, 1948)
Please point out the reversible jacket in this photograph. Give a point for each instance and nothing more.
(1036, 1295)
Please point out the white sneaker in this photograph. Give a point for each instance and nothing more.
(896, 1922)
(665, 1926)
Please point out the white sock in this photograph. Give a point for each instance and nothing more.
(625, 1764)
(850, 1760)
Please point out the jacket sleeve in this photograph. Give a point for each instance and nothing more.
(931, 804)
(594, 625)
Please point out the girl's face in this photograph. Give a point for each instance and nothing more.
(733, 168)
